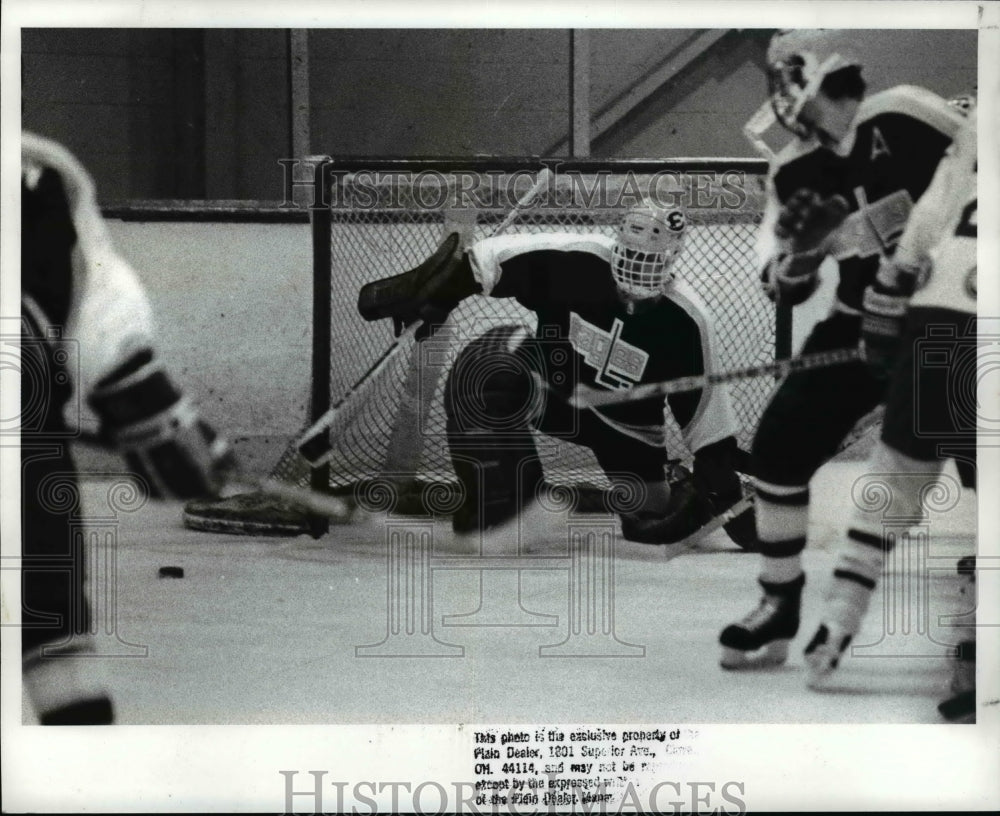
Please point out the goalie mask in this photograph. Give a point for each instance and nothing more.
(798, 61)
(649, 238)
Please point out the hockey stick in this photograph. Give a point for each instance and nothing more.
(671, 551)
(314, 443)
(588, 397)
(321, 503)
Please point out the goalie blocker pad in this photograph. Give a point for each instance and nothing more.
(443, 280)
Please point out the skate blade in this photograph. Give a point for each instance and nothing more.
(820, 666)
(773, 654)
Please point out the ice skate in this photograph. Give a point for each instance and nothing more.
(60, 692)
(761, 639)
(825, 650)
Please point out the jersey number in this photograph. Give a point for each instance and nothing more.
(968, 223)
(675, 220)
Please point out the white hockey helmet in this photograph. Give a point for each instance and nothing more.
(798, 60)
(965, 103)
(649, 238)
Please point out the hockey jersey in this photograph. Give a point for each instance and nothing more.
(882, 167)
(943, 229)
(589, 336)
(72, 278)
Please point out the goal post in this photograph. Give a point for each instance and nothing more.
(383, 217)
(378, 218)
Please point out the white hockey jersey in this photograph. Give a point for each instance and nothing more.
(94, 291)
(942, 231)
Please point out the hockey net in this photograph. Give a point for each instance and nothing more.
(382, 219)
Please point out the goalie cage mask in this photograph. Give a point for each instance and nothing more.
(649, 239)
(797, 63)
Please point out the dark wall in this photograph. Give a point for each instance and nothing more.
(438, 92)
(163, 113)
(126, 102)
(205, 113)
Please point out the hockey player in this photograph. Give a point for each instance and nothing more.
(925, 421)
(74, 285)
(611, 315)
(841, 190)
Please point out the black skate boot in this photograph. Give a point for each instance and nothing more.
(762, 637)
(960, 707)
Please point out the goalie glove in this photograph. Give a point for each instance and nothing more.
(428, 292)
(885, 304)
(686, 512)
(804, 223)
(159, 431)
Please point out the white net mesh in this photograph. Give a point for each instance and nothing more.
(382, 226)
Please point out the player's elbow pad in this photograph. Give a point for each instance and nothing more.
(159, 431)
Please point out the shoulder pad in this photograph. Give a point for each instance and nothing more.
(915, 102)
(511, 244)
(38, 153)
(682, 294)
(487, 255)
(795, 149)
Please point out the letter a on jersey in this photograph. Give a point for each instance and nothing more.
(879, 145)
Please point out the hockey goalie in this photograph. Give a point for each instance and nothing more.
(610, 314)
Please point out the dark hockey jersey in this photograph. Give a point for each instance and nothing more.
(887, 162)
(588, 335)
(47, 241)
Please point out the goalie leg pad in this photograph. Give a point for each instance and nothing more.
(491, 398)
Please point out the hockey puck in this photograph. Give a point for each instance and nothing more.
(171, 572)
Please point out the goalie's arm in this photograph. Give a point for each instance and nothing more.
(532, 269)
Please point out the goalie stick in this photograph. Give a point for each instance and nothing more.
(314, 444)
(322, 503)
(671, 551)
(588, 397)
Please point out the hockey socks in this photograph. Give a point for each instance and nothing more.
(782, 524)
(761, 638)
(855, 576)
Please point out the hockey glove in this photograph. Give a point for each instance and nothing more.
(804, 223)
(428, 292)
(791, 279)
(159, 432)
(686, 512)
(885, 305)
(716, 478)
(807, 218)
